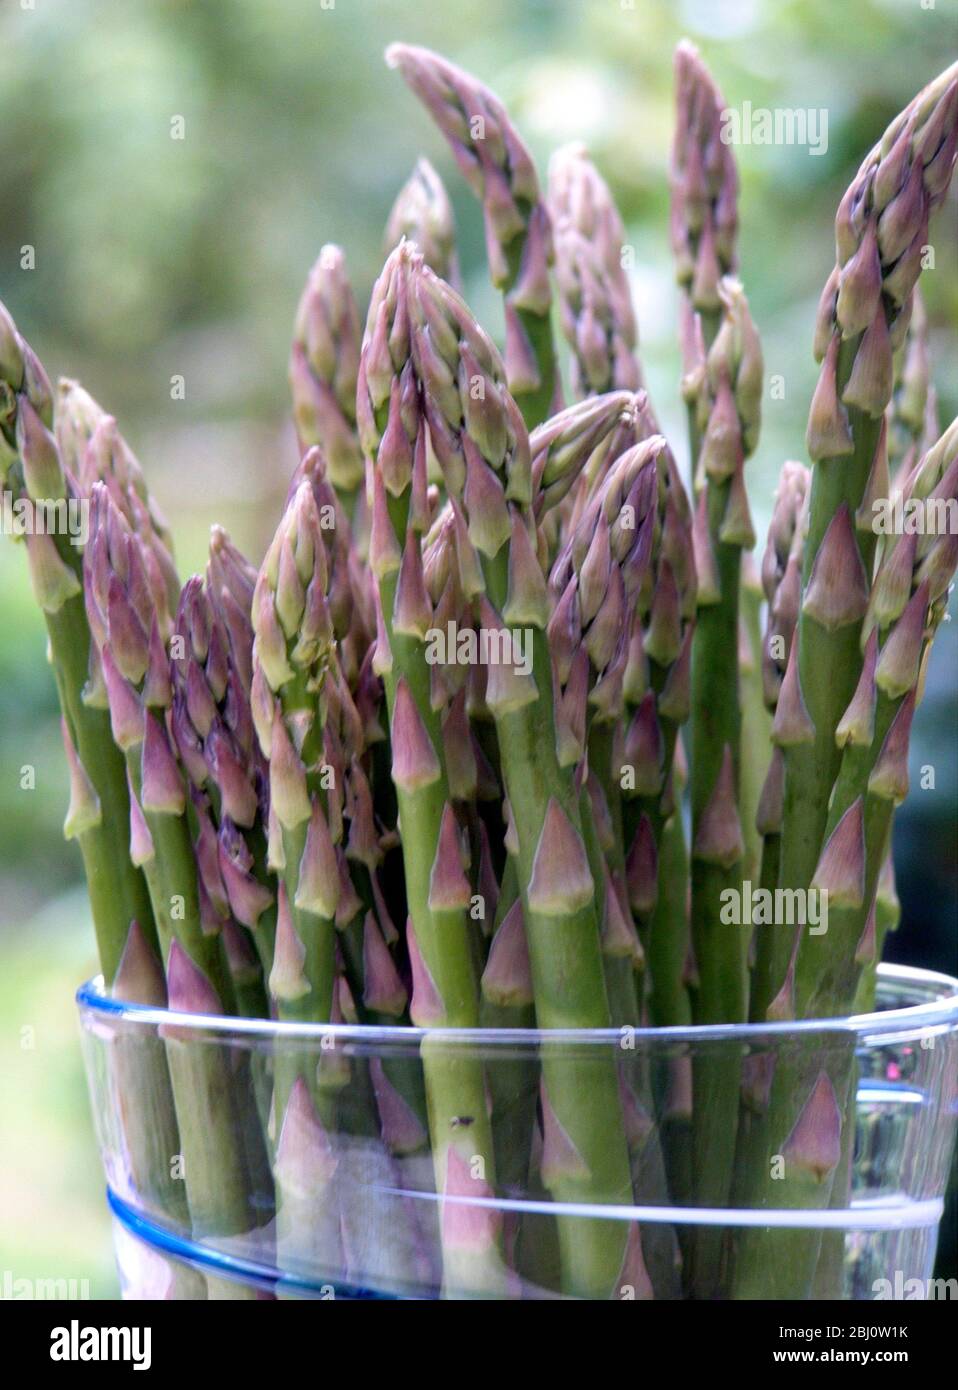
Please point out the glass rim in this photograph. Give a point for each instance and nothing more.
(939, 1011)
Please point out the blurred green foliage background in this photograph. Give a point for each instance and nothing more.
(157, 257)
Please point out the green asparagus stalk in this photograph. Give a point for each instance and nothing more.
(98, 816)
(597, 580)
(329, 891)
(478, 435)
(722, 386)
(756, 721)
(649, 674)
(772, 944)
(127, 612)
(724, 396)
(126, 604)
(89, 448)
(671, 1003)
(881, 228)
(151, 1137)
(657, 693)
(499, 169)
(906, 604)
(724, 403)
(213, 1117)
(292, 652)
(394, 407)
(781, 583)
(506, 983)
(212, 726)
(602, 579)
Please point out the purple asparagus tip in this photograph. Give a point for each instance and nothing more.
(470, 1220)
(507, 978)
(305, 1157)
(718, 838)
(841, 867)
(383, 990)
(561, 1160)
(815, 1143)
(139, 975)
(190, 992)
(561, 882)
(403, 1132)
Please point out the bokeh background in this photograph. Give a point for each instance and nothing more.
(157, 257)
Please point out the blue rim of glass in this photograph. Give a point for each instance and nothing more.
(241, 1269)
(938, 1011)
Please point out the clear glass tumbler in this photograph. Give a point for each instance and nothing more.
(210, 1201)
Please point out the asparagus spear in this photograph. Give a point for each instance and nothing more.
(423, 213)
(880, 228)
(88, 447)
(478, 435)
(393, 410)
(499, 170)
(323, 363)
(127, 607)
(722, 387)
(139, 1068)
(93, 450)
(127, 613)
(594, 295)
(327, 861)
(98, 816)
(704, 182)
(756, 721)
(500, 951)
(772, 945)
(350, 588)
(906, 605)
(781, 581)
(724, 398)
(642, 802)
(572, 450)
(292, 652)
(812, 1100)
(597, 580)
(212, 726)
(657, 691)
(605, 579)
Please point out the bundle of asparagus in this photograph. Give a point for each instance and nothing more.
(426, 766)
